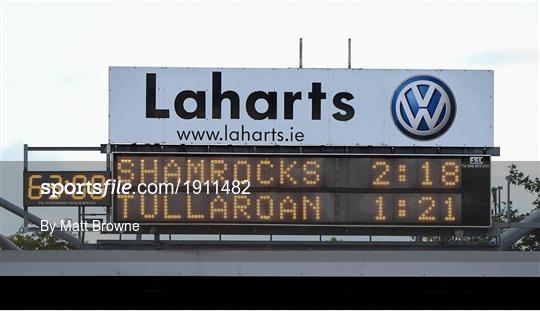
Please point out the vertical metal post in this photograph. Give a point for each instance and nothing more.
(349, 54)
(25, 168)
(83, 219)
(499, 199)
(108, 167)
(508, 202)
(300, 65)
(495, 193)
(25, 157)
(79, 233)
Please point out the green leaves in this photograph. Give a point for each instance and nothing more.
(38, 240)
(516, 177)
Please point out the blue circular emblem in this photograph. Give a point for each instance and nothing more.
(423, 107)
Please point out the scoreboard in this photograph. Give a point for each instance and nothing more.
(249, 171)
(33, 195)
(271, 150)
(292, 190)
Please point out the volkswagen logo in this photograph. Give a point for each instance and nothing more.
(423, 107)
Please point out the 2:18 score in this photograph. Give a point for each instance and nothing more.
(426, 173)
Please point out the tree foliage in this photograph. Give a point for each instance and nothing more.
(530, 242)
(38, 240)
(518, 178)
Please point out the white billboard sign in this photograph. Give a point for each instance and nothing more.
(335, 107)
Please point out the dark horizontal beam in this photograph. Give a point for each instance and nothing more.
(44, 148)
(397, 150)
(305, 230)
(283, 245)
(389, 150)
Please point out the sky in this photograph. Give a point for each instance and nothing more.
(54, 57)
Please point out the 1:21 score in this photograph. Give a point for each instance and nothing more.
(421, 208)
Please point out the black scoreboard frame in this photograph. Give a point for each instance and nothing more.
(312, 151)
(28, 202)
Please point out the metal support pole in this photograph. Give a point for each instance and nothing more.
(83, 235)
(108, 167)
(79, 220)
(515, 233)
(25, 168)
(7, 244)
(73, 241)
(349, 54)
(499, 199)
(508, 202)
(494, 193)
(25, 154)
(300, 65)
